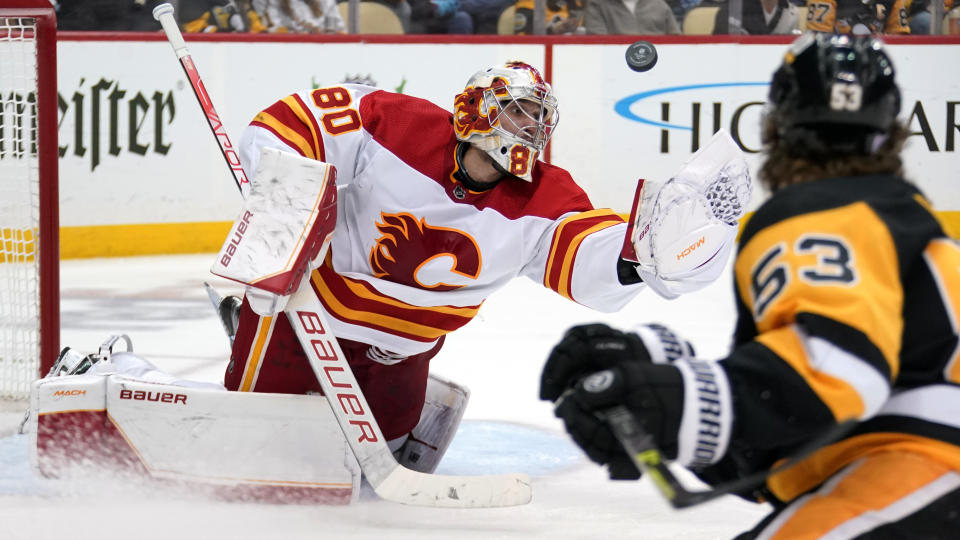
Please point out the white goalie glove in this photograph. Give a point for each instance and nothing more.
(682, 232)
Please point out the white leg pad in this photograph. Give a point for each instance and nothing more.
(254, 446)
(286, 223)
(443, 410)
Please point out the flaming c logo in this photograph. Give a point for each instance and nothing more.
(408, 244)
(467, 115)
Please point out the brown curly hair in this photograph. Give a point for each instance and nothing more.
(804, 153)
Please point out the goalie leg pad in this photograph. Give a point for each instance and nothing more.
(285, 224)
(236, 445)
(442, 412)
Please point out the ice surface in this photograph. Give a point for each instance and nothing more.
(161, 304)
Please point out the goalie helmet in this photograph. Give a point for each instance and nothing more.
(509, 113)
(828, 81)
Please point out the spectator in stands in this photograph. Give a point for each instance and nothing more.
(681, 7)
(919, 15)
(896, 17)
(858, 17)
(106, 15)
(218, 16)
(760, 17)
(629, 17)
(564, 17)
(485, 13)
(951, 17)
(300, 16)
(439, 17)
(951, 20)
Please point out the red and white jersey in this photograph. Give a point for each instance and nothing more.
(415, 253)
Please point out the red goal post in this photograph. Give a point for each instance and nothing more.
(29, 204)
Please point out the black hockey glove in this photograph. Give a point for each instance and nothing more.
(652, 392)
(651, 372)
(589, 348)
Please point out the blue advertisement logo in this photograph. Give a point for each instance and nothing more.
(623, 106)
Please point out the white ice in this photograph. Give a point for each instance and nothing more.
(161, 304)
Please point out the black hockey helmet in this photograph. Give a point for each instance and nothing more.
(828, 80)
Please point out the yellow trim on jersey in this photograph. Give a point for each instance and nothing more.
(251, 368)
(809, 473)
(568, 259)
(840, 396)
(287, 133)
(384, 321)
(570, 248)
(557, 232)
(865, 302)
(943, 257)
(308, 120)
(362, 292)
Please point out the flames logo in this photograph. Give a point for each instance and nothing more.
(407, 245)
(467, 117)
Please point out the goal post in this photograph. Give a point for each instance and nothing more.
(29, 205)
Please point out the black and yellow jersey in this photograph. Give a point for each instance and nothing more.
(563, 16)
(881, 16)
(848, 298)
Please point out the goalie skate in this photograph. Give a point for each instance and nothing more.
(73, 362)
(228, 311)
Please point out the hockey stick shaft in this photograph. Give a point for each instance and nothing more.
(164, 14)
(642, 449)
(308, 318)
(389, 479)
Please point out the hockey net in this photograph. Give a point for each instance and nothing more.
(29, 245)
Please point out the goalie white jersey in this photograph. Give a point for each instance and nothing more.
(415, 252)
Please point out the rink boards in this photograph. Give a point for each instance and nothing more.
(140, 173)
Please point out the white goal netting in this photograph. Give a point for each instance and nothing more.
(19, 208)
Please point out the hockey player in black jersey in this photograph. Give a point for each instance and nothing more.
(848, 299)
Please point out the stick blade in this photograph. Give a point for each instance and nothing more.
(420, 489)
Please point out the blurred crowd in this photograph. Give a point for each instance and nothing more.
(562, 17)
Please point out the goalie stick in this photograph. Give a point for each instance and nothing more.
(163, 13)
(308, 318)
(642, 449)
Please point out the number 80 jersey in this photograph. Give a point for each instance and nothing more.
(848, 295)
(416, 252)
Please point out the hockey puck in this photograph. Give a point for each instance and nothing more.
(641, 56)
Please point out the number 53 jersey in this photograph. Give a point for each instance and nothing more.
(848, 297)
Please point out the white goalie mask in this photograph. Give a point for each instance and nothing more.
(508, 112)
